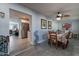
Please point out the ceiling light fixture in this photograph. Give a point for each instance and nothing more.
(59, 16)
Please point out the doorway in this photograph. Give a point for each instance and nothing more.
(25, 28)
(20, 31)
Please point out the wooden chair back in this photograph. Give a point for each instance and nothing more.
(53, 37)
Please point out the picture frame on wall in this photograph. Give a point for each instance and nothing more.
(49, 24)
(66, 26)
(43, 24)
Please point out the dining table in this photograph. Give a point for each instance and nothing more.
(59, 36)
(61, 39)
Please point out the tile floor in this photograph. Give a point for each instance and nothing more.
(45, 50)
(17, 45)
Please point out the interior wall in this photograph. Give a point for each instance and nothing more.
(36, 20)
(55, 25)
(58, 25)
(4, 25)
(42, 33)
(75, 26)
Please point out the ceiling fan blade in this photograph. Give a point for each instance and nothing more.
(66, 16)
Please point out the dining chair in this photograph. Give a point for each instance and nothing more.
(53, 38)
(65, 40)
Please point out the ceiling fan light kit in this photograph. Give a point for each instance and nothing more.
(59, 16)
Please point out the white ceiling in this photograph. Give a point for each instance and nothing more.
(51, 9)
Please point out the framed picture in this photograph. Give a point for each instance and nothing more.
(43, 24)
(49, 24)
(66, 26)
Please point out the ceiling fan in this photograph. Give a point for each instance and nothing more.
(61, 15)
